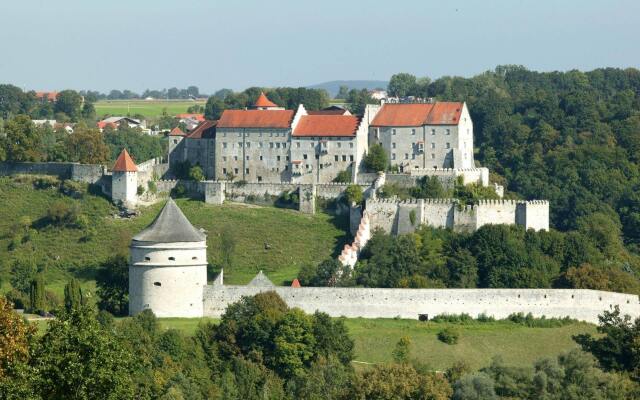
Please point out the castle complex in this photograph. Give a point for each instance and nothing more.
(168, 275)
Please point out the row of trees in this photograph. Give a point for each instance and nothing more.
(495, 256)
(262, 349)
(68, 105)
(24, 141)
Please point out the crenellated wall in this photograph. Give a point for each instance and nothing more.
(396, 217)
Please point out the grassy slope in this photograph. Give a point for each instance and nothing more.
(151, 108)
(479, 342)
(295, 238)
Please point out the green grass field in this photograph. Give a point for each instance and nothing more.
(148, 108)
(295, 238)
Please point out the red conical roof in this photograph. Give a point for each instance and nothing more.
(263, 101)
(176, 132)
(124, 163)
(295, 283)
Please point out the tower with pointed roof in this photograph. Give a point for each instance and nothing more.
(124, 180)
(263, 103)
(168, 266)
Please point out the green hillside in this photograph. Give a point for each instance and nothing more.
(293, 239)
(148, 108)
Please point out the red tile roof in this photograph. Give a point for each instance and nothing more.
(296, 283)
(327, 125)
(197, 117)
(440, 113)
(205, 130)
(124, 163)
(104, 124)
(255, 119)
(263, 101)
(176, 132)
(51, 96)
(327, 112)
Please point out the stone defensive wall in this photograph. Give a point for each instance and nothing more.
(398, 217)
(580, 304)
(88, 173)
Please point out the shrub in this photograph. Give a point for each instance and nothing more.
(72, 188)
(62, 213)
(152, 187)
(17, 298)
(140, 190)
(45, 182)
(532, 322)
(196, 174)
(343, 177)
(179, 191)
(449, 336)
(353, 194)
(376, 158)
(453, 318)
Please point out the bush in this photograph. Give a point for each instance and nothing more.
(45, 182)
(449, 336)
(196, 174)
(62, 213)
(353, 194)
(179, 191)
(453, 318)
(532, 322)
(152, 187)
(376, 159)
(72, 188)
(17, 298)
(343, 177)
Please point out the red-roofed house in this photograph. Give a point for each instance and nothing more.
(47, 96)
(425, 135)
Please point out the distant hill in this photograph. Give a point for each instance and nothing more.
(334, 86)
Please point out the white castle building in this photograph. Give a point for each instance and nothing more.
(168, 275)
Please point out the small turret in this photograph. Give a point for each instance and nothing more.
(124, 180)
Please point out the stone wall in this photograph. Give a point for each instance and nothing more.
(581, 304)
(396, 217)
(87, 173)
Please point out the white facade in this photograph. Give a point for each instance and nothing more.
(124, 187)
(167, 278)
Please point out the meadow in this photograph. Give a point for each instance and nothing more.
(148, 108)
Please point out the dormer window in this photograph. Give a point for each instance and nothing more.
(172, 258)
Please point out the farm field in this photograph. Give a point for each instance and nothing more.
(148, 108)
(294, 239)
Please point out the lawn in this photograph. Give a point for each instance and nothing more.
(294, 238)
(375, 340)
(148, 108)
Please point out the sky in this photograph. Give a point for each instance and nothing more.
(155, 44)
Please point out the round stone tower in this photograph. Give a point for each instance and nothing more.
(168, 267)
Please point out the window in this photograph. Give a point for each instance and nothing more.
(240, 144)
(246, 171)
(277, 145)
(317, 156)
(147, 258)
(224, 158)
(278, 158)
(287, 158)
(224, 145)
(248, 144)
(271, 145)
(284, 145)
(413, 156)
(448, 131)
(194, 258)
(413, 131)
(336, 158)
(433, 145)
(157, 284)
(260, 158)
(393, 145)
(433, 156)
(393, 156)
(339, 145)
(344, 158)
(175, 141)
(247, 157)
(393, 131)
(259, 179)
(260, 144)
(448, 145)
(224, 134)
(224, 171)
(298, 145)
(172, 258)
(406, 156)
(235, 158)
(235, 171)
(311, 145)
(433, 132)
(350, 158)
(270, 134)
(304, 156)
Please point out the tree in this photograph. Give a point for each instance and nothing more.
(69, 103)
(402, 350)
(343, 92)
(353, 194)
(196, 174)
(474, 387)
(376, 158)
(86, 145)
(402, 85)
(77, 359)
(15, 337)
(23, 271)
(329, 272)
(73, 298)
(618, 346)
(358, 100)
(214, 108)
(293, 343)
(112, 281)
(37, 300)
(332, 338)
(23, 140)
(14, 101)
(399, 382)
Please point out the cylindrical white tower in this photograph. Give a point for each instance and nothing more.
(168, 267)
